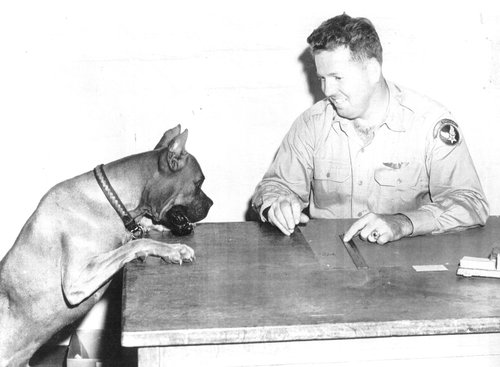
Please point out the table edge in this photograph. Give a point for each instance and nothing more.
(281, 333)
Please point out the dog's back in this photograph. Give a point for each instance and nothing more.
(32, 305)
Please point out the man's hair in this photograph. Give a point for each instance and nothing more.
(357, 34)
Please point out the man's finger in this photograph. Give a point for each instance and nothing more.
(287, 212)
(296, 210)
(383, 239)
(303, 218)
(355, 229)
(276, 218)
(369, 233)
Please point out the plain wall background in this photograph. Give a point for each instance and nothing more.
(90, 82)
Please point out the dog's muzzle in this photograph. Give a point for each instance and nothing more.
(177, 221)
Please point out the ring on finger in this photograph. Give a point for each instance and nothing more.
(375, 235)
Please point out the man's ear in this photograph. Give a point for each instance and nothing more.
(374, 69)
(168, 136)
(175, 155)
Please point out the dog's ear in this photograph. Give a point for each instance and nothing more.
(175, 155)
(168, 136)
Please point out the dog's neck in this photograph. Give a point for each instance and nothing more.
(130, 188)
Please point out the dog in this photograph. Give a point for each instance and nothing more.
(82, 233)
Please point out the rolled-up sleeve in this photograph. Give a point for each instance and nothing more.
(291, 170)
(457, 198)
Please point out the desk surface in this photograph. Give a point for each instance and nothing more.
(250, 283)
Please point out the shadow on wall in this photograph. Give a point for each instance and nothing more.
(309, 68)
(314, 87)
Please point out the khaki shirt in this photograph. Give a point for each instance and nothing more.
(417, 164)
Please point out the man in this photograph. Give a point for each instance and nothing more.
(370, 150)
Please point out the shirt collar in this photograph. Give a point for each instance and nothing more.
(337, 120)
(394, 120)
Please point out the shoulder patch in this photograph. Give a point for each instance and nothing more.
(447, 131)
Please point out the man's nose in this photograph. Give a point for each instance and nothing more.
(329, 86)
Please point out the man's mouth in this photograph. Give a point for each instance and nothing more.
(338, 102)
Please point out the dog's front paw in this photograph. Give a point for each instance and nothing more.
(177, 253)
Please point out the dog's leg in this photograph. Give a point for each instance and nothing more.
(82, 277)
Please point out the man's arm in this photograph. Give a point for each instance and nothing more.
(284, 191)
(457, 198)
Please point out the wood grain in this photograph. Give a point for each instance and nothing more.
(250, 283)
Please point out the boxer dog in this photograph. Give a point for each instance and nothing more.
(84, 230)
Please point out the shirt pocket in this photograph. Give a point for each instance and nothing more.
(399, 188)
(331, 182)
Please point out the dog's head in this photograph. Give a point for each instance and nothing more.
(173, 196)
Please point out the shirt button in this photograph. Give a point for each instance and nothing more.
(360, 214)
(360, 182)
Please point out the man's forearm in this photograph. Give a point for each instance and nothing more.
(460, 210)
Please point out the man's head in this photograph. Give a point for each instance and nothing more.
(348, 58)
(356, 34)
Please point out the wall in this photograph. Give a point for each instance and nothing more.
(90, 82)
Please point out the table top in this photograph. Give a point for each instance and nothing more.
(250, 283)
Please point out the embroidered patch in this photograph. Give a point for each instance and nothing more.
(448, 132)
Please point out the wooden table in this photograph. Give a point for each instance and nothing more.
(255, 297)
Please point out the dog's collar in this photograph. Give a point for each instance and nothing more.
(128, 221)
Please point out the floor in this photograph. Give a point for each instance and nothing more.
(55, 356)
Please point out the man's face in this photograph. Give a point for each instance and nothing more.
(347, 83)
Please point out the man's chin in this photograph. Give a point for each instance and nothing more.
(341, 110)
(346, 114)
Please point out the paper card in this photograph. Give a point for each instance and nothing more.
(430, 268)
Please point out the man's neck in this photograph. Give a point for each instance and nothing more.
(376, 114)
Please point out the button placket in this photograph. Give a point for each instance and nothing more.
(361, 166)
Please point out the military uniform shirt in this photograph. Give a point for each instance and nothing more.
(417, 164)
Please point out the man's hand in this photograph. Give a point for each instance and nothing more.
(285, 213)
(380, 228)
